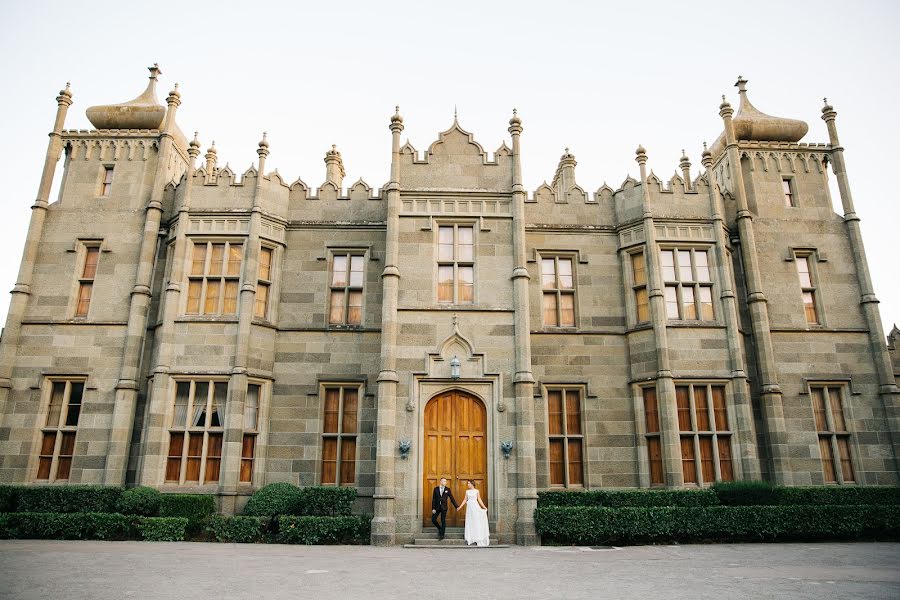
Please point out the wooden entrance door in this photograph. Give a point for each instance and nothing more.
(455, 448)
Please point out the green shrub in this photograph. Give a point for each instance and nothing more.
(589, 525)
(65, 526)
(746, 493)
(194, 507)
(8, 498)
(623, 498)
(326, 501)
(275, 499)
(241, 530)
(162, 529)
(67, 498)
(143, 501)
(324, 530)
(847, 495)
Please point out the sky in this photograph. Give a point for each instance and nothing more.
(596, 77)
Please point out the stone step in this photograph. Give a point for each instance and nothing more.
(435, 545)
(445, 541)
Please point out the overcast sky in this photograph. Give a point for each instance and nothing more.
(599, 78)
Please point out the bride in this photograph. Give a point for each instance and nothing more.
(477, 531)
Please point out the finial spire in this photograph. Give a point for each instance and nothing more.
(155, 71)
(455, 114)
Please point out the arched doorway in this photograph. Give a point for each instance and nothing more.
(455, 447)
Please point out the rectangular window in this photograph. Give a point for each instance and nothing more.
(807, 288)
(558, 285)
(59, 430)
(456, 264)
(195, 432)
(86, 281)
(834, 439)
(639, 287)
(652, 435)
(704, 432)
(787, 188)
(347, 280)
(214, 278)
(340, 427)
(263, 282)
(688, 284)
(106, 184)
(566, 438)
(251, 430)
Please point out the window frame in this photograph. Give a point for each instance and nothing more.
(261, 282)
(565, 436)
(107, 173)
(347, 289)
(789, 195)
(695, 284)
(59, 430)
(339, 435)
(656, 435)
(636, 287)
(833, 435)
(557, 290)
(82, 281)
(223, 278)
(257, 433)
(455, 263)
(188, 431)
(809, 258)
(713, 434)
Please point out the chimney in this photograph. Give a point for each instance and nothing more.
(334, 167)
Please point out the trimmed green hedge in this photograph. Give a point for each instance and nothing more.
(161, 529)
(621, 498)
(65, 526)
(62, 498)
(591, 525)
(324, 530)
(240, 530)
(326, 501)
(275, 499)
(142, 500)
(194, 507)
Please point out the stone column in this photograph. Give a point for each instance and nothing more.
(129, 375)
(22, 290)
(384, 524)
(742, 416)
(523, 379)
(770, 390)
(665, 384)
(888, 390)
(237, 392)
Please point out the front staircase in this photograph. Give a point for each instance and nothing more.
(454, 539)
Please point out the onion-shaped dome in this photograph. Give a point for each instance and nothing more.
(144, 112)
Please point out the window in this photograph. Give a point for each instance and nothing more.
(264, 282)
(558, 284)
(345, 305)
(214, 278)
(251, 431)
(86, 281)
(787, 188)
(566, 438)
(807, 288)
(106, 184)
(639, 286)
(652, 433)
(834, 439)
(456, 264)
(195, 433)
(704, 433)
(58, 432)
(688, 284)
(339, 431)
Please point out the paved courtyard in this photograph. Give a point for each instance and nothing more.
(98, 570)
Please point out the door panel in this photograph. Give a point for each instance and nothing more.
(455, 447)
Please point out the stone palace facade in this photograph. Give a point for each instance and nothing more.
(177, 325)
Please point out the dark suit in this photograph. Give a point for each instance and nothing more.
(439, 508)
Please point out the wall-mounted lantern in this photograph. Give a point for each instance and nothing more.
(405, 447)
(506, 447)
(454, 368)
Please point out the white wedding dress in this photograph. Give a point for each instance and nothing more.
(477, 530)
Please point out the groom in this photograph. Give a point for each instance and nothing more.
(439, 507)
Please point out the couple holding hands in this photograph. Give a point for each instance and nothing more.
(477, 531)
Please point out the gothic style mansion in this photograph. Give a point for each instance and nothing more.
(178, 326)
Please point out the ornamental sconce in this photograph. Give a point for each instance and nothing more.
(506, 447)
(405, 447)
(454, 368)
